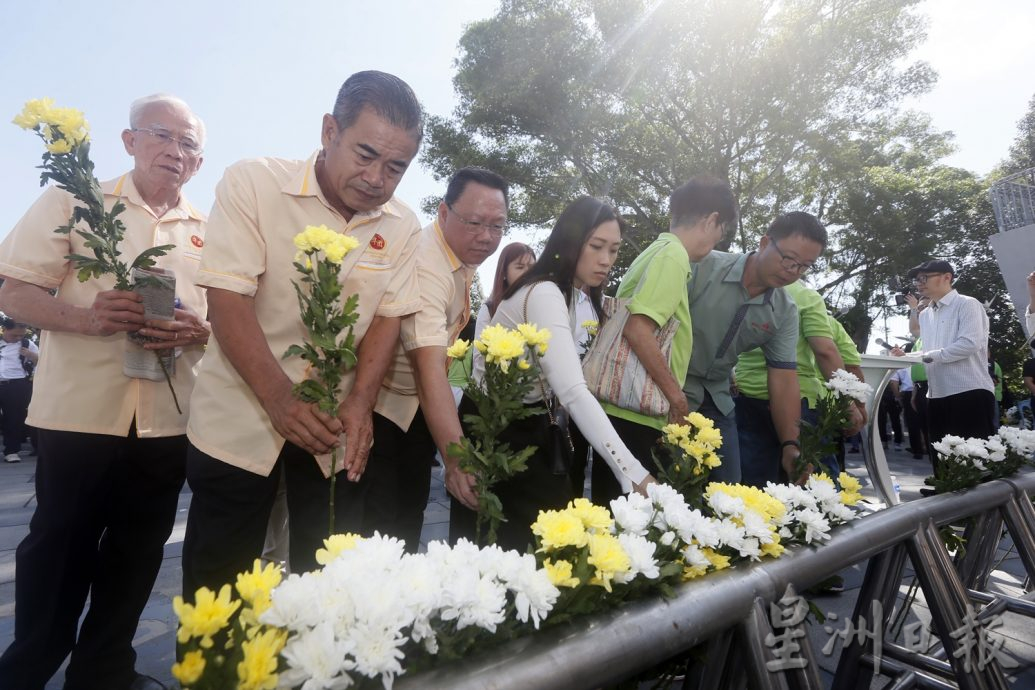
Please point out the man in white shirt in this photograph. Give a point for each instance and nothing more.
(954, 332)
(18, 355)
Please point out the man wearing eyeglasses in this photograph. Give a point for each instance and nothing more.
(112, 449)
(737, 303)
(395, 487)
(247, 429)
(954, 332)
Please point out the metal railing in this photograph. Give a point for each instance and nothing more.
(1013, 199)
(728, 610)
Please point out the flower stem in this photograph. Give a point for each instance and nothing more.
(334, 467)
(168, 380)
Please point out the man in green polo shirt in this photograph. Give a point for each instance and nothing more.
(737, 304)
(656, 282)
(818, 357)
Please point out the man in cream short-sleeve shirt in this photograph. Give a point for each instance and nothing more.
(468, 229)
(111, 448)
(247, 428)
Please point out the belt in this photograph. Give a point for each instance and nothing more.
(3, 381)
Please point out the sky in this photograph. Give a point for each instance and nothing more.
(262, 73)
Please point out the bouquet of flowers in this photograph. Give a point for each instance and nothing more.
(328, 319)
(967, 462)
(511, 372)
(834, 415)
(372, 613)
(67, 163)
(810, 511)
(688, 455)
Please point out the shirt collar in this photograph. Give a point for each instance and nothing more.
(945, 301)
(454, 262)
(303, 183)
(124, 188)
(735, 274)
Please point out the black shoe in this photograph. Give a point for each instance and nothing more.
(142, 682)
(927, 491)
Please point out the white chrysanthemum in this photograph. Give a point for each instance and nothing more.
(723, 504)
(534, 594)
(316, 660)
(730, 533)
(1020, 441)
(293, 602)
(641, 558)
(843, 383)
(756, 526)
(693, 525)
(750, 548)
(632, 513)
(695, 557)
(816, 525)
(377, 651)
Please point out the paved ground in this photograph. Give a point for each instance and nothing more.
(156, 634)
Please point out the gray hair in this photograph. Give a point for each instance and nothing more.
(138, 106)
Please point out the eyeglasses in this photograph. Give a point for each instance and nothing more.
(921, 279)
(165, 137)
(789, 263)
(476, 226)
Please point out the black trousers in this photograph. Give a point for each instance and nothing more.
(921, 414)
(916, 437)
(641, 441)
(230, 509)
(523, 495)
(967, 414)
(14, 404)
(105, 507)
(397, 482)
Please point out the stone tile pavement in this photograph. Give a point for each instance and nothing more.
(156, 634)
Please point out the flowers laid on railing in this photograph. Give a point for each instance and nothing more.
(691, 454)
(967, 462)
(511, 373)
(328, 319)
(222, 642)
(833, 411)
(813, 509)
(373, 612)
(67, 163)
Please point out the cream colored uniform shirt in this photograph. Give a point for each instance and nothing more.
(79, 384)
(445, 292)
(260, 206)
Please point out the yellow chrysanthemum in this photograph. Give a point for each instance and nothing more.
(850, 489)
(699, 421)
(258, 669)
(523, 365)
(718, 561)
(535, 337)
(593, 517)
(608, 557)
(711, 461)
(336, 249)
(591, 326)
(754, 499)
(207, 616)
(823, 478)
(458, 350)
(62, 128)
(335, 545)
(773, 549)
(34, 113)
(560, 573)
(557, 529)
(710, 436)
(256, 585)
(504, 347)
(190, 669)
(676, 433)
(692, 571)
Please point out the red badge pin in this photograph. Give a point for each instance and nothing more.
(197, 241)
(377, 242)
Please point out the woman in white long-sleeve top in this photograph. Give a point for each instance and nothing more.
(579, 253)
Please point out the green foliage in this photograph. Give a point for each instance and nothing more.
(498, 399)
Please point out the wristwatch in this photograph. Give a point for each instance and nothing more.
(792, 442)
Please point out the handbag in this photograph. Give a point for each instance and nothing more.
(559, 449)
(614, 373)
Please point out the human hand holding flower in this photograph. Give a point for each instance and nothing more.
(186, 328)
(114, 311)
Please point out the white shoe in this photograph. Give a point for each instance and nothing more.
(12, 457)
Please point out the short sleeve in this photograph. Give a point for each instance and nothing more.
(812, 315)
(32, 252)
(235, 249)
(662, 290)
(428, 327)
(781, 351)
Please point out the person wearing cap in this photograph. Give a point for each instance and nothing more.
(954, 333)
(18, 357)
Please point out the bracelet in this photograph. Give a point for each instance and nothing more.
(792, 442)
